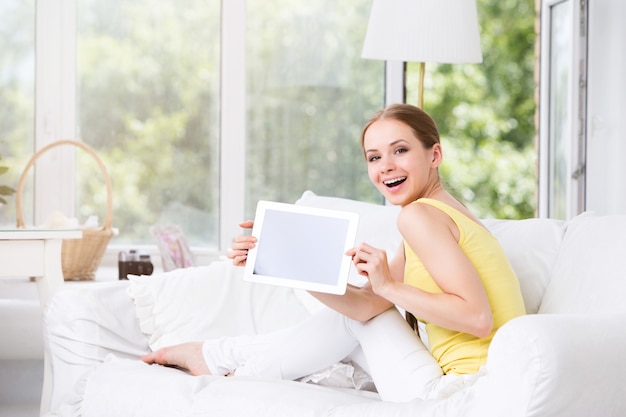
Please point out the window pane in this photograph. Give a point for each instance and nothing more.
(309, 93)
(148, 82)
(560, 111)
(17, 107)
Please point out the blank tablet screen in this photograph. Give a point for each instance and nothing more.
(301, 247)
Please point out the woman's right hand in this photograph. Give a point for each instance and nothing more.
(238, 251)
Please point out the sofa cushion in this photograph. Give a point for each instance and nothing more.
(532, 246)
(211, 301)
(589, 274)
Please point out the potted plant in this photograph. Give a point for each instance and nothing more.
(5, 190)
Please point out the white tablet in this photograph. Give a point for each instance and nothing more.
(301, 247)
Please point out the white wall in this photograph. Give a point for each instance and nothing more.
(606, 107)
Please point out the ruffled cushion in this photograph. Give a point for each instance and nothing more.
(200, 303)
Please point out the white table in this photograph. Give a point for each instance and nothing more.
(36, 253)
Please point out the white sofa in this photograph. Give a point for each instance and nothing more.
(565, 358)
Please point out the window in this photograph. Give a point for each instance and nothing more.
(197, 109)
(17, 86)
(308, 93)
(582, 144)
(148, 101)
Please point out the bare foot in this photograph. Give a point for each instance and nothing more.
(187, 356)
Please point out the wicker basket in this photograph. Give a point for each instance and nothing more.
(80, 258)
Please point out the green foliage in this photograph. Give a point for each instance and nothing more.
(5, 190)
(485, 113)
(495, 180)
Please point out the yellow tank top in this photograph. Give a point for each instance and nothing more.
(456, 352)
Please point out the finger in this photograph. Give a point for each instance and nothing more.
(362, 254)
(361, 269)
(238, 254)
(371, 254)
(232, 253)
(246, 224)
(356, 259)
(244, 246)
(238, 257)
(240, 260)
(364, 250)
(365, 247)
(244, 238)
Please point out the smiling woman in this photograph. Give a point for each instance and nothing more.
(450, 271)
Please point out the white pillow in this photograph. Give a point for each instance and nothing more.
(589, 272)
(199, 303)
(532, 246)
(377, 223)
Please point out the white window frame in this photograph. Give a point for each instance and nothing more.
(233, 120)
(55, 105)
(577, 111)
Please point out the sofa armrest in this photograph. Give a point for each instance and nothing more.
(83, 323)
(556, 364)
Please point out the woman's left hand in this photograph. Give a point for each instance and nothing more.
(372, 263)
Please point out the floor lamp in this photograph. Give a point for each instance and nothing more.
(439, 31)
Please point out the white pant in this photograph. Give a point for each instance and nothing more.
(401, 366)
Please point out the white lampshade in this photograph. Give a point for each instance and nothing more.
(442, 31)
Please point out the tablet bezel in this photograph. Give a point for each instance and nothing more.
(346, 241)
